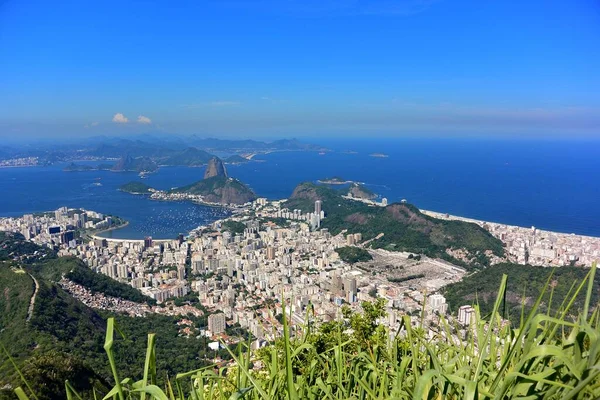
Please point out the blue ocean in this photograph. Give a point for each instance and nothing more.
(550, 184)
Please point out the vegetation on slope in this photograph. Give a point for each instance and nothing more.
(64, 338)
(75, 270)
(361, 192)
(525, 283)
(403, 226)
(351, 254)
(135, 188)
(219, 189)
(235, 227)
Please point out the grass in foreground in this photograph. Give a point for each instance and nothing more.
(549, 355)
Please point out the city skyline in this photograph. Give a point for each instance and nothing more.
(273, 69)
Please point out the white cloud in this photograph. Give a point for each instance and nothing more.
(144, 120)
(120, 118)
(95, 123)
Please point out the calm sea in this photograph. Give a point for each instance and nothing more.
(553, 185)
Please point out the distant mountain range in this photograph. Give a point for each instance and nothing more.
(162, 149)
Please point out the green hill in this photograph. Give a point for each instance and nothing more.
(403, 226)
(361, 192)
(135, 188)
(525, 283)
(190, 157)
(219, 189)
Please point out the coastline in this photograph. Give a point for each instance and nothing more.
(114, 228)
(449, 217)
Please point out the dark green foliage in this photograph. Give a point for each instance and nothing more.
(525, 283)
(403, 226)
(76, 271)
(281, 222)
(136, 188)
(235, 227)
(13, 246)
(58, 314)
(351, 254)
(49, 371)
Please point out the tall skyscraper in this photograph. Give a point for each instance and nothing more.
(318, 207)
(148, 242)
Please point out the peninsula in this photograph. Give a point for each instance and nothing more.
(217, 186)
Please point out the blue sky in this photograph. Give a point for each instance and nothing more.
(245, 68)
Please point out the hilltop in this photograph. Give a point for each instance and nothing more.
(217, 187)
(361, 192)
(214, 168)
(190, 157)
(403, 226)
(139, 164)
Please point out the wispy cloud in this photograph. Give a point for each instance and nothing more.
(144, 120)
(119, 118)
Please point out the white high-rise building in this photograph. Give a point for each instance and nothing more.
(216, 323)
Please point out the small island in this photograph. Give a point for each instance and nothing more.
(136, 188)
(379, 155)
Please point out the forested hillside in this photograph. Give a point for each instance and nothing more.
(403, 226)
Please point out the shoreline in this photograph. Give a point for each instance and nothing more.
(450, 217)
(114, 228)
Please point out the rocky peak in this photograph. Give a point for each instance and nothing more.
(215, 167)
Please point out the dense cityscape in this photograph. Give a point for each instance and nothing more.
(242, 267)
